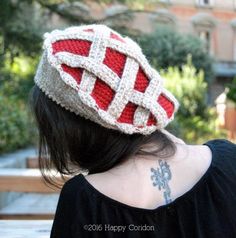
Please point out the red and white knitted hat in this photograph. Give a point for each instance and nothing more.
(94, 72)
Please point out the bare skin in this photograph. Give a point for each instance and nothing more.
(149, 182)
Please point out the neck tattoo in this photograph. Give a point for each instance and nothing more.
(161, 177)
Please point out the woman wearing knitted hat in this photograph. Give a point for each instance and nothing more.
(102, 109)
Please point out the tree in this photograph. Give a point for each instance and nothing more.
(195, 121)
(23, 22)
(166, 47)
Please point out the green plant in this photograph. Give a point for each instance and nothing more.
(195, 121)
(16, 127)
(166, 47)
(231, 91)
(16, 76)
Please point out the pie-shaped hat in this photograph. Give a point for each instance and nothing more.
(96, 73)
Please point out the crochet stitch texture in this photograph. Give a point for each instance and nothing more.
(95, 72)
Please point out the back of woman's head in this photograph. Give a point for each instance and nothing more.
(69, 142)
(97, 101)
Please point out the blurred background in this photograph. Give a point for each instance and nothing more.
(192, 43)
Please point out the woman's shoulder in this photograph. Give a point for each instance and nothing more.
(73, 186)
(222, 147)
(221, 142)
(224, 153)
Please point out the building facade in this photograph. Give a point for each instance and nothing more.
(212, 20)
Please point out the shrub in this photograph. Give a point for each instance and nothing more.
(195, 121)
(231, 91)
(166, 47)
(16, 126)
(16, 130)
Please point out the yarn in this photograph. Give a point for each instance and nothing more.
(105, 78)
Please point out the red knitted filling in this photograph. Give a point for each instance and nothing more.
(116, 37)
(166, 104)
(115, 61)
(79, 47)
(76, 73)
(151, 120)
(127, 115)
(141, 82)
(102, 93)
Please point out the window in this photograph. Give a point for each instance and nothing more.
(205, 2)
(205, 36)
(204, 25)
(233, 25)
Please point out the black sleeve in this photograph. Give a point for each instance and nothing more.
(226, 156)
(228, 152)
(61, 227)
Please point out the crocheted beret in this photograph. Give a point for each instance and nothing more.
(96, 73)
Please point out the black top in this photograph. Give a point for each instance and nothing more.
(208, 209)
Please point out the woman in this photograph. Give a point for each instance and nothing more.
(102, 109)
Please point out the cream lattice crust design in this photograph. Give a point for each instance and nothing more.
(95, 72)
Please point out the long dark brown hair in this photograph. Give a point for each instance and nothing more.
(70, 143)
